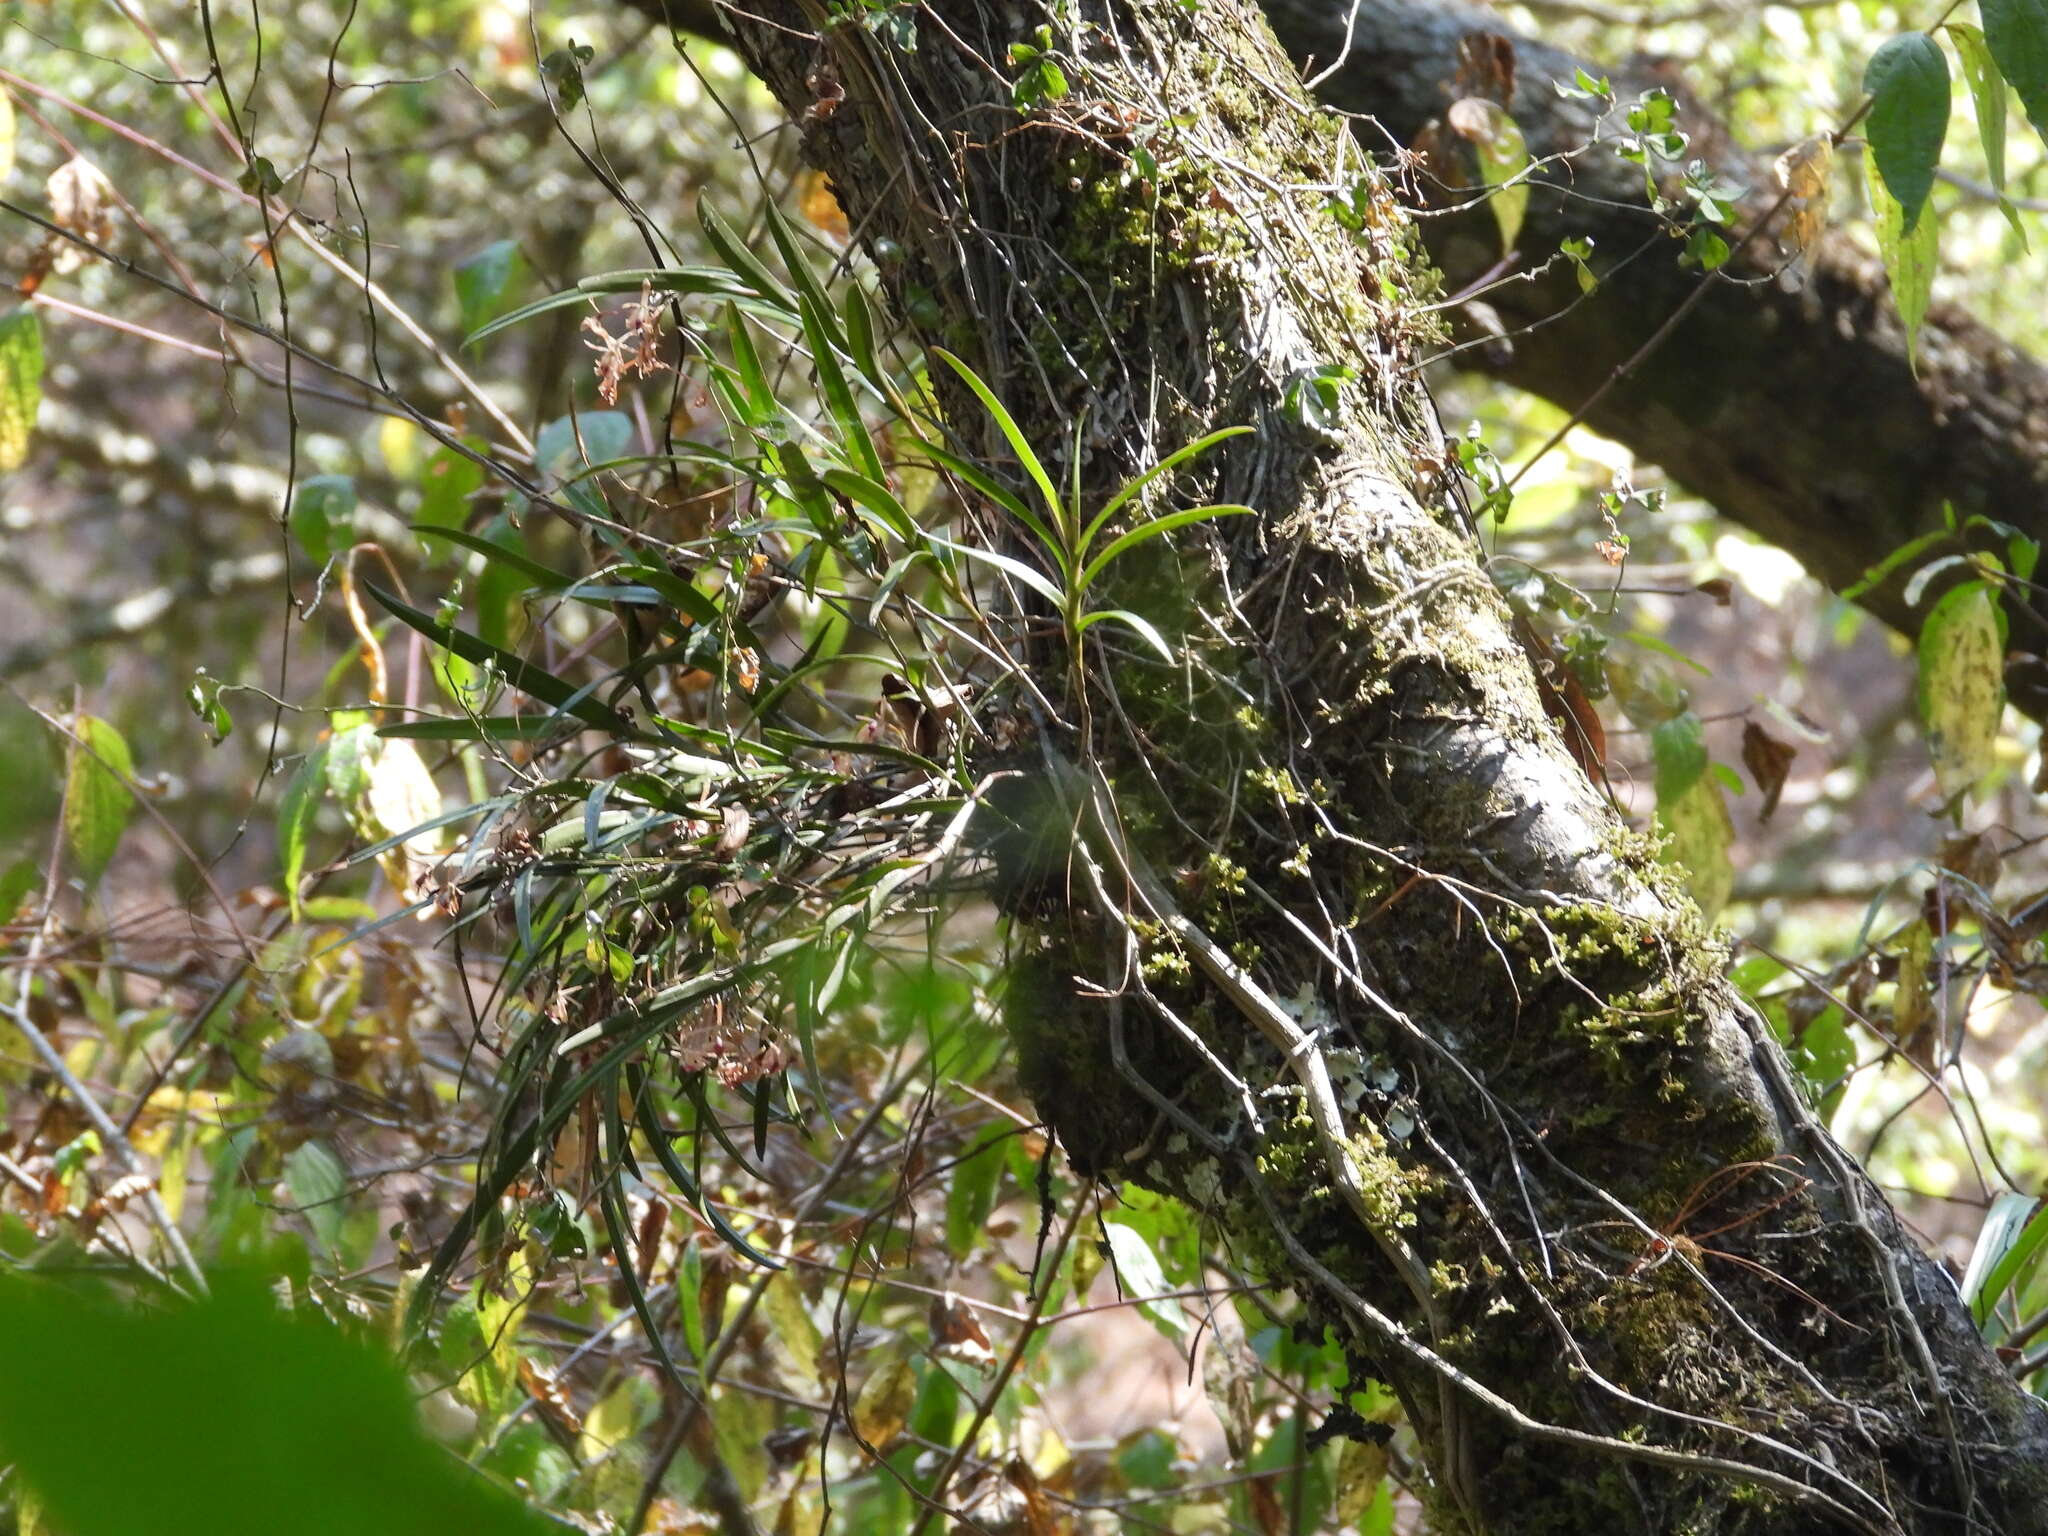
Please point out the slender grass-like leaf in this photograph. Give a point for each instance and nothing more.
(981, 481)
(808, 288)
(692, 1188)
(543, 576)
(1020, 445)
(1136, 623)
(1151, 530)
(517, 671)
(1137, 486)
(750, 269)
(1015, 569)
(684, 282)
(838, 397)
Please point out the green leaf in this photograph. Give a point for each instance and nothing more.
(448, 482)
(316, 1182)
(296, 808)
(745, 265)
(1014, 434)
(684, 282)
(516, 670)
(97, 800)
(2009, 1243)
(16, 881)
(1136, 487)
(483, 282)
(973, 1192)
(2016, 32)
(323, 514)
(1141, 1275)
(1962, 685)
(604, 436)
(233, 1392)
(1700, 834)
(1137, 624)
(1987, 101)
(1679, 747)
(1151, 530)
(546, 577)
(1907, 80)
(838, 396)
(21, 382)
(1015, 569)
(985, 483)
(1909, 259)
(1503, 161)
(690, 1298)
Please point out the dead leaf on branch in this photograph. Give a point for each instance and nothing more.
(957, 1334)
(1769, 762)
(1486, 67)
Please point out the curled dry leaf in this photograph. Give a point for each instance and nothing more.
(82, 204)
(1976, 857)
(550, 1398)
(1486, 67)
(957, 1334)
(1802, 171)
(1769, 762)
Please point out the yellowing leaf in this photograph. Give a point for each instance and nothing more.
(1360, 1470)
(884, 1403)
(97, 801)
(1909, 256)
(398, 795)
(1987, 101)
(817, 204)
(1503, 156)
(613, 1421)
(1962, 686)
(790, 1325)
(21, 383)
(1911, 1002)
(6, 136)
(1700, 833)
(400, 442)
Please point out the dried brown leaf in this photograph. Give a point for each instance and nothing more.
(1769, 761)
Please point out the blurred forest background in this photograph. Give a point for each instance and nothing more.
(249, 969)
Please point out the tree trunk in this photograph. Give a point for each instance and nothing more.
(1333, 939)
(1794, 411)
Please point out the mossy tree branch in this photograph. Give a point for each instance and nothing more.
(1333, 938)
(1793, 411)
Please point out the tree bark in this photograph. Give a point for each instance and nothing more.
(1795, 413)
(1332, 938)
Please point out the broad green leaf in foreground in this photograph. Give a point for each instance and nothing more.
(228, 1417)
